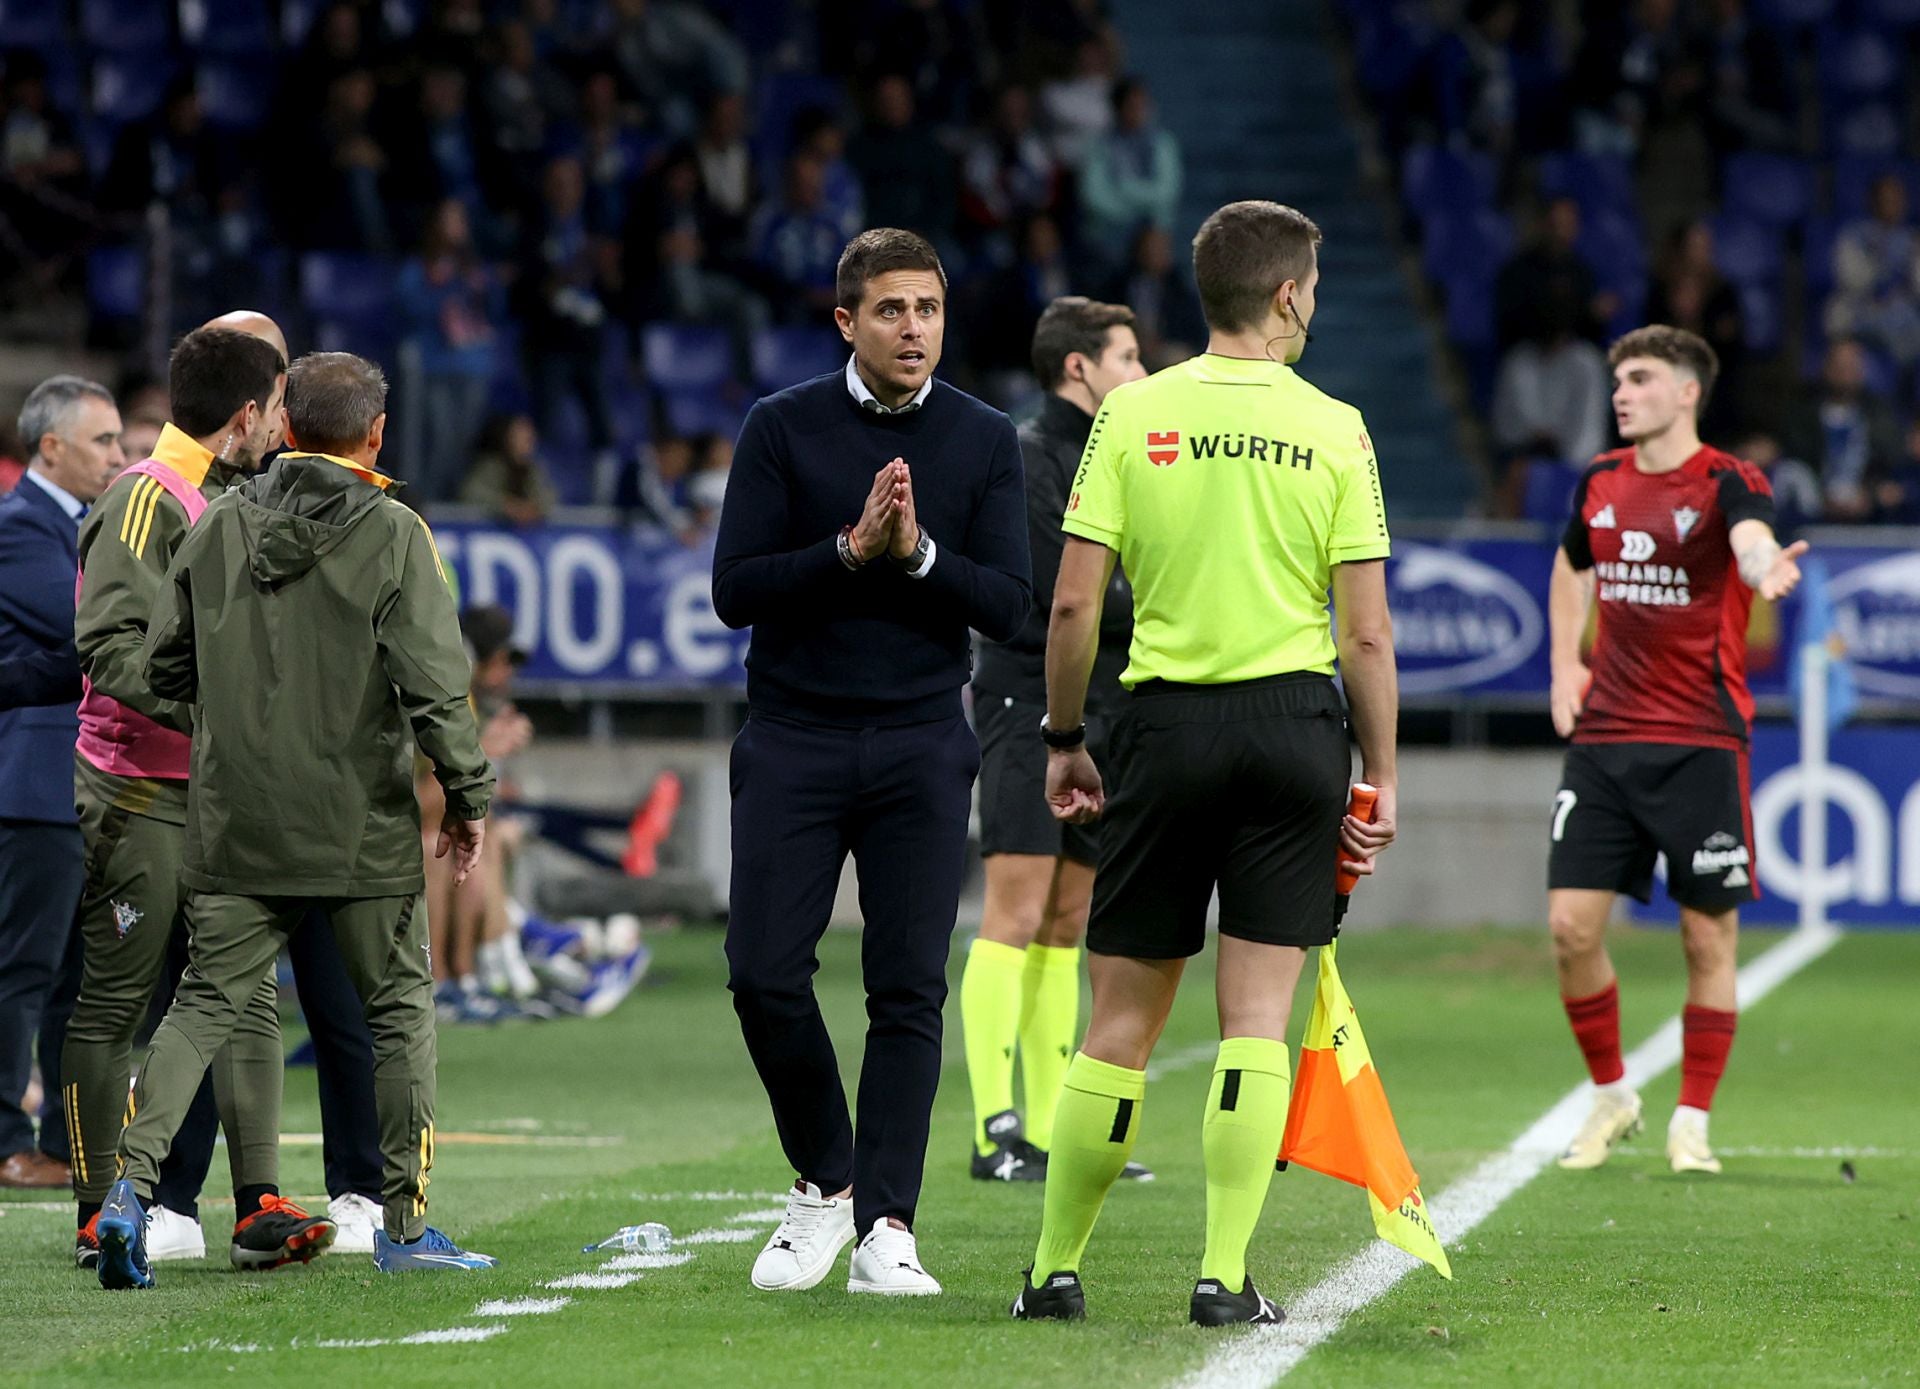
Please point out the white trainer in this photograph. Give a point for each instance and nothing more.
(171, 1235)
(354, 1218)
(1615, 1115)
(1687, 1149)
(887, 1262)
(804, 1247)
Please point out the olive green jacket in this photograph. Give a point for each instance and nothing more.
(307, 621)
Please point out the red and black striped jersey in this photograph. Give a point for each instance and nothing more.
(1669, 656)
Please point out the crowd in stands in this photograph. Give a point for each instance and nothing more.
(582, 235)
(1743, 168)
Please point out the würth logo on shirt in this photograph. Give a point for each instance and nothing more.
(1163, 447)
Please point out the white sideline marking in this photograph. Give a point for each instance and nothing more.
(682, 1196)
(521, 1307)
(733, 1236)
(593, 1280)
(671, 1258)
(1868, 1152)
(1257, 1361)
(1182, 1059)
(453, 1335)
(773, 1215)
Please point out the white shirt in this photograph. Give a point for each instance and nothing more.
(72, 505)
(869, 401)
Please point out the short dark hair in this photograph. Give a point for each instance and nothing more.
(1664, 343)
(213, 373)
(1073, 323)
(333, 398)
(876, 252)
(1243, 253)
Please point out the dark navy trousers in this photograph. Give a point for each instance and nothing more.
(897, 799)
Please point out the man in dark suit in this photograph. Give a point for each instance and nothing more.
(73, 432)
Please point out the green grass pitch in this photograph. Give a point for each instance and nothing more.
(1782, 1271)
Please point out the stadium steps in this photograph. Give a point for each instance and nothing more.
(1255, 97)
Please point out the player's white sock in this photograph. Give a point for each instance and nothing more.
(1615, 1089)
(1687, 1114)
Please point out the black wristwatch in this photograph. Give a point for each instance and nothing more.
(1062, 739)
(917, 556)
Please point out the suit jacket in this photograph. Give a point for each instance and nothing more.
(39, 558)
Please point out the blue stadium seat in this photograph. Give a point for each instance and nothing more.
(32, 24)
(1891, 14)
(127, 87)
(1612, 246)
(1816, 258)
(1793, 14)
(777, 99)
(1854, 63)
(1598, 182)
(1773, 188)
(784, 356)
(692, 413)
(1747, 252)
(232, 96)
(348, 290)
(126, 26)
(296, 21)
(1854, 177)
(632, 411)
(117, 282)
(1868, 130)
(680, 358)
(1760, 317)
(227, 26)
(1434, 179)
(1467, 245)
(1549, 490)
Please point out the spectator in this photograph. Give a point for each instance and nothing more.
(1007, 174)
(1876, 276)
(42, 173)
(337, 44)
(797, 242)
(525, 102)
(565, 278)
(613, 152)
(1078, 108)
(1637, 72)
(435, 157)
(1550, 398)
(668, 268)
(707, 488)
(1478, 93)
(673, 56)
(938, 46)
(1004, 305)
(331, 199)
(909, 178)
(1166, 311)
(143, 413)
(1896, 493)
(1690, 292)
(818, 135)
(508, 478)
(448, 299)
(1550, 271)
(727, 183)
(171, 158)
(1796, 488)
(1750, 83)
(1132, 176)
(1846, 433)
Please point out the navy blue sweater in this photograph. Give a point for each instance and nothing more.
(868, 647)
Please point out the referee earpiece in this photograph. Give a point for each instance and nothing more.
(1305, 335)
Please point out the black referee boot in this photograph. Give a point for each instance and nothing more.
(1213, 1305)
(1060, 1299)
(1011, 1158)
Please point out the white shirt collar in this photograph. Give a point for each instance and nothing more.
(72, 505)
(869, 401)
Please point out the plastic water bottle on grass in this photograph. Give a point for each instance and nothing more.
(650, 1238)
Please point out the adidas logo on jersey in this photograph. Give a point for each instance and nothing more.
(1603, 518)
(1737, 878)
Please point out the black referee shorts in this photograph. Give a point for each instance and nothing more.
(1239, 787)
(1620, 805)
(1014, 817)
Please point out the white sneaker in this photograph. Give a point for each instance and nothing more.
(806, 1243)
(171, 1235)
(1615, 1115)
(1687, 1149)
(887, 1261)
(354, 1218)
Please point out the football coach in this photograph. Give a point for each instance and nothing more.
(873, 516)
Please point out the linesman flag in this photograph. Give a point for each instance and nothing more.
(1339, 1123)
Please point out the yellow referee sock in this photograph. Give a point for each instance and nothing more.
(1093, 1132)
(990, 1019)
(1246, 1116)
(1049, 1027)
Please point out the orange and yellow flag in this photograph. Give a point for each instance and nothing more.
(1339, 1123)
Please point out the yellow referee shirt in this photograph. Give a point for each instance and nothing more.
(1230, 489)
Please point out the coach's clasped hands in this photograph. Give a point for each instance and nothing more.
(1074, 792)
(888, 523)
(1362, 840)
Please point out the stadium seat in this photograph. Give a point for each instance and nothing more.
(778, 98)
(1747, 252)
(32, 24)
(1549, 490)
(1435, 180)
(117, 282)
(1869, 130)
(1854, 63)
(127, 87)
(227, 26)
(126, 26)
(1598, 182)
(347, 289)
(1472, 245)
(1772, 188)
(296, 21)
(679, 357)
(231, 94)
(1612, 246)
(1816, 257)
(1760, 317)
(1793, 14)
(632, 411)
(1891, 14)
(1854, 177)
(784, 356)
(693, 413)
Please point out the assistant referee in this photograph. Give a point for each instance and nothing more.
(873, 515)
(1236, 495)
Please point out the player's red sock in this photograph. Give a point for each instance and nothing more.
(1596, 1027)
(1706, 1036)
